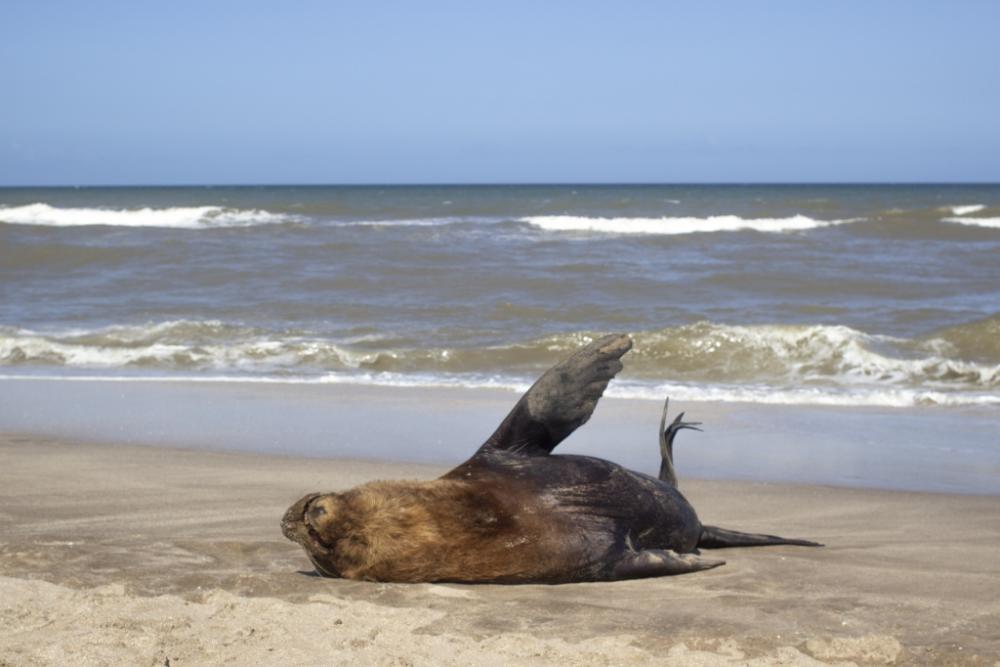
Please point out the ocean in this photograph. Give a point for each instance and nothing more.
(879, 295)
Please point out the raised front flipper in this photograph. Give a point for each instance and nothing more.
(659, 563)
(561, 400)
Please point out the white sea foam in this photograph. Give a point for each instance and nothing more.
(183, 217)
(180, 345)
(723, 393)
(969, 208)
(893, 398)
(992, 223)
(679, 225)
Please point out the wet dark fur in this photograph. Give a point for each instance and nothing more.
(514, 513)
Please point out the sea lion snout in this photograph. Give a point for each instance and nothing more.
(292, 524)
(312, 522)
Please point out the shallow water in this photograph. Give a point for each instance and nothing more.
(950, 450)
(850, 295)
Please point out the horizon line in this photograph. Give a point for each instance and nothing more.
(443, 184)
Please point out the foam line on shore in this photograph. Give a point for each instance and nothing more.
(759, 394)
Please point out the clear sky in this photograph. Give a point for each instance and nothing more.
(198, 92)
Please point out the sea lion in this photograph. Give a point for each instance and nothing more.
(515, 513)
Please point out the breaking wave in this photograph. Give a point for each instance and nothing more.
(993, 223)
(679, 225)
(801, 355)
(833, 365)
(965, 210)
(176, 345)
(182, 217)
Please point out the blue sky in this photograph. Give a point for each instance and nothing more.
(455, 92)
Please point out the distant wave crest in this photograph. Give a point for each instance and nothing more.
(182, 217)
(992, 223)
(422, 222)
(679, 225)
(966, 209)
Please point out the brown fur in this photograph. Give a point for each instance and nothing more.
(441, 530)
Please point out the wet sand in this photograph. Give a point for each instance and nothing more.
(133, 555)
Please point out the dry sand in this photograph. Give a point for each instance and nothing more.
(126, 555)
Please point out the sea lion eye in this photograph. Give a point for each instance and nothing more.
(315, 512)
(321, 512)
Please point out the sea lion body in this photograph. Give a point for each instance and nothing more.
(593, 508)
(513, 512)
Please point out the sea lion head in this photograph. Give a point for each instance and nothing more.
(314, 523)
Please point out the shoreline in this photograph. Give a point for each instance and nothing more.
(945, 450)
(128, 554)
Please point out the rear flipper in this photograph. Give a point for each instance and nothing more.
(659, 563)
(667, 434)
(713, 537)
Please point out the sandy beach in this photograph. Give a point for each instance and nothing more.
(114, 554)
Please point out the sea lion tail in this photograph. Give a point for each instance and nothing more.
(713, 537)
